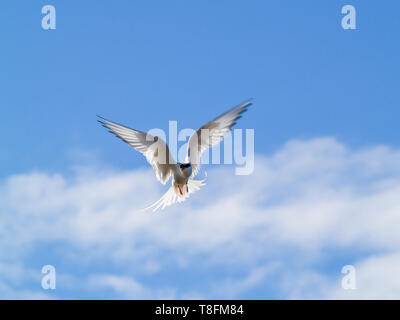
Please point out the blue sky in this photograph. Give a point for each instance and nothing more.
(121, 60)
(145, 63)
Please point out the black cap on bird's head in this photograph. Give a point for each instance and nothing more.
(184, 165)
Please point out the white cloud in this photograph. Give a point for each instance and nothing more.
(308, 198)
(12, 280)
(233, 287)
(127, 288)
(377, 277)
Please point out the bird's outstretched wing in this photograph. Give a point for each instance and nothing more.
(152, 147)
(212, 133)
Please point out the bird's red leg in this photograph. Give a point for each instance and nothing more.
(180, 190)
(187, 188)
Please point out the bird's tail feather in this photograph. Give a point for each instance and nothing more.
(174, 195)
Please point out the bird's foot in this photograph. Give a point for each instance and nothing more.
(180, 190)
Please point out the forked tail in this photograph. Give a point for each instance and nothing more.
(177, 193)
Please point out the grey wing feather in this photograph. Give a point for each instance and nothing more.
(212, 133)
(152, 147)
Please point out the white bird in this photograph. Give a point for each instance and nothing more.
(158, 155)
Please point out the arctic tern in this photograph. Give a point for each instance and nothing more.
(158, 155)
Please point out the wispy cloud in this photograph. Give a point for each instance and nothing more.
(268, 235)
